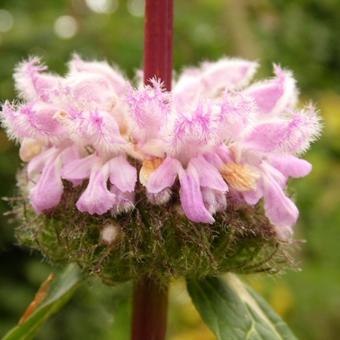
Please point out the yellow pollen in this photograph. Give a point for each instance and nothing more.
(123, 129)
(61, 115)
(30, 148)
(240, 176)
(148, 167)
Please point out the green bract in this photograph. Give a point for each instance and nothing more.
(156, 241)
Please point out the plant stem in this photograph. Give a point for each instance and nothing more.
(150, 307)
(150, 299)
(158, 41)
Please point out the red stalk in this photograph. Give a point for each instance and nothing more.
(150, 307)
(150, 299)
(158, 41)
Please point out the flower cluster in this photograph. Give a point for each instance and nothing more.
(213, 134)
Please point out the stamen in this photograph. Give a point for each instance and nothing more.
(240, 176)
(61, 116)
(148, 167)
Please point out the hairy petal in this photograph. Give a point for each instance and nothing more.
(164, 176)
(268, 136)
(117, 80)
(97, 199)
(122, 174)
(275, 95)
(150, 110)
(191, 196)
(292, 135)
(124, 201)
(237, 111)
(32, 82)
(305, 128)
(213, 77)
(33, 120)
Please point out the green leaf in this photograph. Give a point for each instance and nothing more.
(233, 311)
(61, 291)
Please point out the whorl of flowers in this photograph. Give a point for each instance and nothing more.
(213, 133)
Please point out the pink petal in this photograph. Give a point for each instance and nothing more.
(191, 196)
(276, 95)
(122, 174)
(117, 80)
(36, 165)
(164, 176)
(293, 134)
(278, 135)
(228, 73)
(304, 128)
(209, 176)
(213, 77)
(41, 116)
(214, 159)
(291, 166)
(237, 112)
(92, 88)
(33, 120)
(79, 169)
(252, 197)
(280, 210)
(97, 199)
(267, 136)
(275, 174)
(46, 194)
(70, 154)
(100, 128)
(225, 154)
(33, 82)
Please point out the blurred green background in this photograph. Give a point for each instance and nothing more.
(303, 35)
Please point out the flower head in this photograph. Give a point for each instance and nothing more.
(214, 138)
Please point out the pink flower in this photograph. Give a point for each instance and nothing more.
(111, 183)
(45, 171)
(202, 188)
(215, 132)
(268, 149)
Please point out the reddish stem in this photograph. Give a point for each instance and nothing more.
(158, 41)
(150, 303)
(150, 306)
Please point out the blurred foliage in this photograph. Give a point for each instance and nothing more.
(302, 35)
